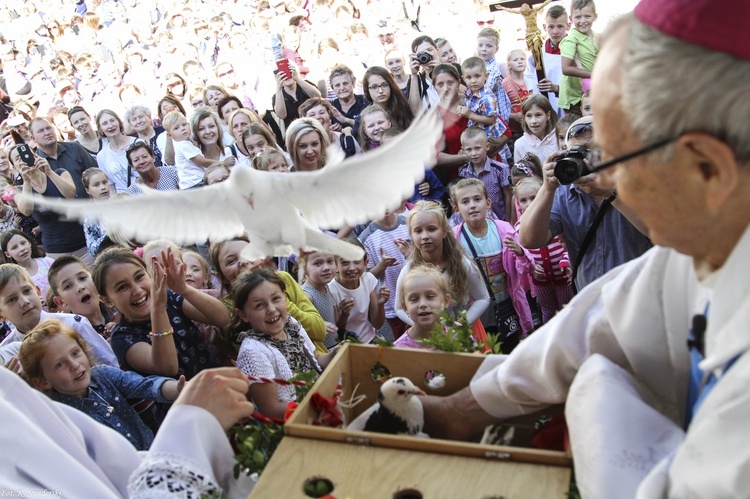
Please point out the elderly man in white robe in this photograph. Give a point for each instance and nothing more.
(652, 359)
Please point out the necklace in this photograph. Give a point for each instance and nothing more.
(110, 408)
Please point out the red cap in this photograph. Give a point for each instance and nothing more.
(719, 25)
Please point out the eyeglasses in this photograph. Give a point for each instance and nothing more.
(595, 155)
(225, 73)
(375, 88)
(482, 23)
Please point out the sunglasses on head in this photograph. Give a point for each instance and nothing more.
(580, 129)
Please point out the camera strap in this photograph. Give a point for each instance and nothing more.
(603, 208)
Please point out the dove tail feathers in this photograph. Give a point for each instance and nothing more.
(321, 242)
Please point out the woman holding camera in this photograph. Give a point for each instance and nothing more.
(381, 88)
(424, 58)
(59, 237)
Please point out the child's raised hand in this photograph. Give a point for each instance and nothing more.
(230, 161)
(404, 246)
(345, 306)
(423, 188)
(383, 294)
(386, 260)
(175, 272)
(513, 245)
(14, 365)
(158, 285)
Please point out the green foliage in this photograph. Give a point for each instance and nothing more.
(454, 334)
(573, 492)
(451, 334)
(255, 442)
(383, 342)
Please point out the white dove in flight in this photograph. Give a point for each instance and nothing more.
(281, 212)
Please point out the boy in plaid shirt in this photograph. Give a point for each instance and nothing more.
(494, 175)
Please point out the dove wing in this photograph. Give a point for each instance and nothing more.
(360, 189)
(189, 216)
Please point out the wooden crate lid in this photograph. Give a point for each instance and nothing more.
(366, 472)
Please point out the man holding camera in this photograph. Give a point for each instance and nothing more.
(599, 237)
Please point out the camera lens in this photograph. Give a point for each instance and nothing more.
(424, 57)
(568, 170)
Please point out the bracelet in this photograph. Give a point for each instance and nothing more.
(165, 333)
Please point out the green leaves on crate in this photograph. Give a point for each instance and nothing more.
(454, 334)
(255, 442)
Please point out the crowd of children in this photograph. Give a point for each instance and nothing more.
(123, 335)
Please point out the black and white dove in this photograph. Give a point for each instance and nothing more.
(280, 212)
(397, 411)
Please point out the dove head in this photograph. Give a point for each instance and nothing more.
(396, 391)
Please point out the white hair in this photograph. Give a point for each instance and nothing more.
(671, 87)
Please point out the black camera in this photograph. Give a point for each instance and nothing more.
(570, 166)
(424, 57)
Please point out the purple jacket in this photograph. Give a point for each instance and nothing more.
(514, 266)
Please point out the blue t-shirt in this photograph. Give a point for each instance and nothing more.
(489, 249)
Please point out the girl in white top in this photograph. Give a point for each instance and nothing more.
(21, 249)
(539, 121)
(361, 305)
(111, 158)
(274, 344)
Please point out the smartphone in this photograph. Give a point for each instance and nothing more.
(24, 151)
(283, 65)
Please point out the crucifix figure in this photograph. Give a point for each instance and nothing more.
(534, 41)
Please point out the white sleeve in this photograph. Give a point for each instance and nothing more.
(253, 362)
(55, 447)
(477, 291)
(186, 149)
(400, 312)
(541, 369)
(161, 142)
(190, 454)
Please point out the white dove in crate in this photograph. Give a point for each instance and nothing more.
(280, 212)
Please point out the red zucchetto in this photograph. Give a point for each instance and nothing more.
(719, 25)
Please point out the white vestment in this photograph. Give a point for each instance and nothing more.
(53, 447)
(637, 318)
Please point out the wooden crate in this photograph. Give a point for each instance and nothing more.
(378, 465)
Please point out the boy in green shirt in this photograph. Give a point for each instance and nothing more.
(578, 51)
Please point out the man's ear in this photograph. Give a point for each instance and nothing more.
(718, 166)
